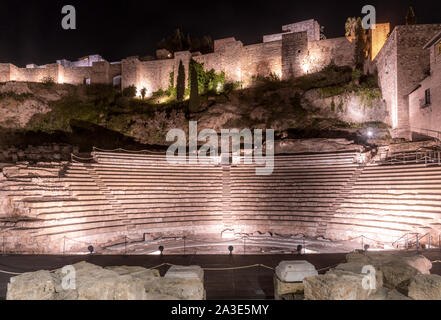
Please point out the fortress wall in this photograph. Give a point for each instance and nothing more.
(129, 72)
(114, 70)
(76, 75)
(100, 72)
(154, 75)
(311, 27)
(378, 38)
(340, 51)
(386, 62)
(261, 60)
(413, 66)
(294, 54)
(227, 58)
(103, 72)
(5, 72)
(211, 61)
(35, 74)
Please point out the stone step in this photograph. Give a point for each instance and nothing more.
(392, 203)
(393, 198)
(389, 210)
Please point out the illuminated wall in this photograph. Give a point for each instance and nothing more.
(402, 64)
(425, 117)
(378, 37)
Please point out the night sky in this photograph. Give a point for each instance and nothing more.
(30, 31)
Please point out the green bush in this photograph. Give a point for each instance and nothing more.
(129, 92)
(48, 81)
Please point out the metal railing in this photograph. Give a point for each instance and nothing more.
(411, 240)
(417, 157)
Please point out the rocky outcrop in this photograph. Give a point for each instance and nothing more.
(336, 285)
(85, 281)
(398, 268)
(397, 276)
(348, 107)
(20, 101)
(425, 287)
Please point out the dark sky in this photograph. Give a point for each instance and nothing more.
(30, 31)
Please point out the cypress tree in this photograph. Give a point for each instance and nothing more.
(360, 45)
(180, 83)
(194, 89)
(411, 17)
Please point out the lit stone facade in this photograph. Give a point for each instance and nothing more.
(402, 64)
(277, 54)
(425, 101)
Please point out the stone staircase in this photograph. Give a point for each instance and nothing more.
(318, 195)
(104, 190)
(337, 202)
(227, 218)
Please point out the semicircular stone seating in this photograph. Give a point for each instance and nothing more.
(133, 194)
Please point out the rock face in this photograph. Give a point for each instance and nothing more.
(336, 285)
(425, 287)
(398, 268)
(348, 107)
(38, 285)
(398, 276)
(92, 282)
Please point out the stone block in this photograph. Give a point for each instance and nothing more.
(425, 287)
(295, 271)
(188, 273)
(336, 285)
(284, 288)
(38, 285)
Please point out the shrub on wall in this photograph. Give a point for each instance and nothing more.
(207, 81)
(48, 81)
(129, 92)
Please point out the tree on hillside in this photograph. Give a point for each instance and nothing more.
(194, 89)
(179, 42)
(143, 93)
(354, 28)
(351, 26)
(411, 17)
(180, 83)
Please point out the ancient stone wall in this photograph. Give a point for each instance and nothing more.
(261, 60)
(50, 152)
(386, 62)
(77, 75)
(129, 72)
(413, 65)
(154, 75)
(426, 118)
(311, 27)
(379, 37)
(402, 64)
(294, 53)
(339, 51)
(5, 72)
